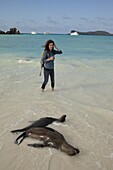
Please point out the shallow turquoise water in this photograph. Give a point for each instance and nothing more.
(85, 47)
(83, 91)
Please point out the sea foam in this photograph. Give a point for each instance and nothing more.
(25, 61)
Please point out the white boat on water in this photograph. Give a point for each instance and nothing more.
(33, 32)
(74, 33)
(46, 33)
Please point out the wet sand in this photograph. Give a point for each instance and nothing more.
(83, 92)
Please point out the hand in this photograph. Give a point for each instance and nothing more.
(52, 58)
(56, 47)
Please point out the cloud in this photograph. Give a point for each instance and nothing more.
(92, 24)
(83, 19)
(104, 21)
(50, 20)
(100, 18)
(111, 19)
(29, 21)
(66, 18)
(3, 25)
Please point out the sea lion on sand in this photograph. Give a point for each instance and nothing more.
(42, 122)
(49, 137)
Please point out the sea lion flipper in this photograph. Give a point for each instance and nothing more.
(21, 137)
(42, 122)
(21, 130)
(17, 130)
(36, 145)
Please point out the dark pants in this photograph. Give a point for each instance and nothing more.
(47, 73)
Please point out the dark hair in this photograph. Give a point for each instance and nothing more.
(47, 44)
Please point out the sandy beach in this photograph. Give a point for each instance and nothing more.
(84, 91)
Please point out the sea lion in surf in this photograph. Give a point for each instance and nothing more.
(49, 137)
(42, 122)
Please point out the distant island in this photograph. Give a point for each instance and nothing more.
(91, 33)
(11, 31)
(73, 32)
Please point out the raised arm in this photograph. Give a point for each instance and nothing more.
(58, 50)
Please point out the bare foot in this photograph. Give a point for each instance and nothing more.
(42, 90)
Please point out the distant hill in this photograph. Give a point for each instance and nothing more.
(93, 33)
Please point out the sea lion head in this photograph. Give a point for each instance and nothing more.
(70, 150)
(62, 119)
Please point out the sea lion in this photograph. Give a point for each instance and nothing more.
(49, 137)
(42, 122)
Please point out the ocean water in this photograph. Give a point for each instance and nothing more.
(83, 91)
(77, 47)
(87, 59)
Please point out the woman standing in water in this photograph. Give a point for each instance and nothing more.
(48, 60)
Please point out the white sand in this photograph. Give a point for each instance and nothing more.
(84, 92)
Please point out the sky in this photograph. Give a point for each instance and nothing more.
(56, 16)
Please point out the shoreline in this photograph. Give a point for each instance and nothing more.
(85, 102)
(83, 92)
